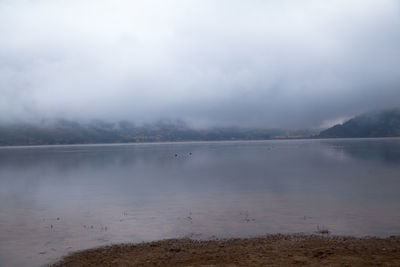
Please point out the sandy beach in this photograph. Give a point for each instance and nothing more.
(268, 250)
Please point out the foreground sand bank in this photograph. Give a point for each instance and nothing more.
(269, 250)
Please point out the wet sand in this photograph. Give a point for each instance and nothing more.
(268, 250)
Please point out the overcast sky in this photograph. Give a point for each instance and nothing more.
(249, 63)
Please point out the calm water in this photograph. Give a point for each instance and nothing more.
(58, 199)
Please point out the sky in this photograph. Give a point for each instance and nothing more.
(276, 63)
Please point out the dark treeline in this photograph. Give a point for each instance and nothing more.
(70, 132)
(374, 124)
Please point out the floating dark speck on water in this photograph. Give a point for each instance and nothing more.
(189, 218)
(58, 218)
(247, 217)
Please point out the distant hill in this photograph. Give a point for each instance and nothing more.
(374, 124)
(70, 132)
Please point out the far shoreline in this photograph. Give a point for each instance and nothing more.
(195, 141)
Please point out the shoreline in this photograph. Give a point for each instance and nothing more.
(192, 141)
(270, 250)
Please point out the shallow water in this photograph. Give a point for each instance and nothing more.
(57, 199)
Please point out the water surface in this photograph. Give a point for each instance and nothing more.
(57, 199)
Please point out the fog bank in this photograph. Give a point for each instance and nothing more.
(254, 63)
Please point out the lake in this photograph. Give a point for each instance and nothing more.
(58, 199)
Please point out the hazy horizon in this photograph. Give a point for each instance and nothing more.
(266, 64)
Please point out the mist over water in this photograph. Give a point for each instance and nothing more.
(57, 199)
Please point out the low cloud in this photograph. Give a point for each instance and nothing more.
(256, 63)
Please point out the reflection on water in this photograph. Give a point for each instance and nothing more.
(63, 198)
(385, 150)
